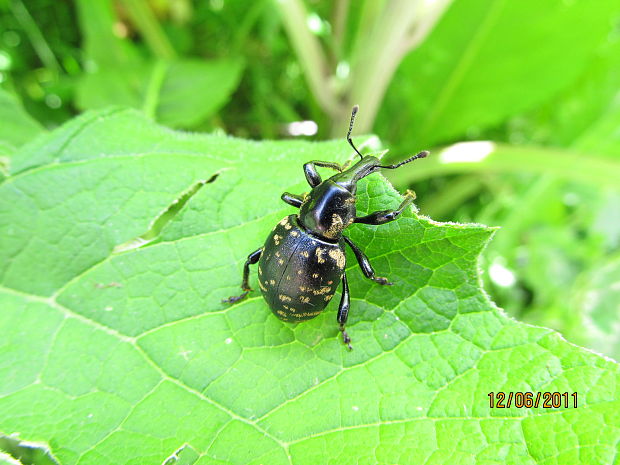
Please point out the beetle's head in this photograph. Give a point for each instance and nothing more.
(369, 164)
(366, 166)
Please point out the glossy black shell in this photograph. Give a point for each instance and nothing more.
(298, 273)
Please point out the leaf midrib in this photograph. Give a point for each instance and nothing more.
(459, 71)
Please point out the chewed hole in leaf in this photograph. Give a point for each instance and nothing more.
(164, 218)
(184, 455)
(25, 453)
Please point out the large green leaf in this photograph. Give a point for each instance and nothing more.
(488, 60)
(113, 354)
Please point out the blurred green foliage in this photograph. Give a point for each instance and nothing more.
(538, 78)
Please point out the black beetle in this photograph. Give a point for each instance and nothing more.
(302, 262)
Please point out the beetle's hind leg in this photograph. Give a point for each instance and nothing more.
(245, 285)
(343, 311)
(365, 265)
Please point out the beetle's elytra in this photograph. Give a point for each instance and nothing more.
(302, 262)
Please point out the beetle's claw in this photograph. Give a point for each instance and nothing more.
(236, 298)
(383, 281)
(345, 338)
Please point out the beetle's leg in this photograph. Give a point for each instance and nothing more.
(292, 199)
(312, 175)
(365, 265)
(245, 285)
(343, 310)
(385, 216)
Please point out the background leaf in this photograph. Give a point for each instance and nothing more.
(16, 126)
(181, 93)
(470, 74)
(127, 357)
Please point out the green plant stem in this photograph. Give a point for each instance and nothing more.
(370, 11)
(246, 25)
(339, 22)
(387, 31)
(378, 56)
(43, 50)
(309, 53)
(510, 159)
(144, 19)
(156, 80)
(400, 27)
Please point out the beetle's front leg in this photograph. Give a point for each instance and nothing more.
(312, 175)
(343, 310)
(365, 265)
(245, 285)
(385, 216)
(292, 199)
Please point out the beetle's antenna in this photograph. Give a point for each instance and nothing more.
(422, 154)
(353, 113)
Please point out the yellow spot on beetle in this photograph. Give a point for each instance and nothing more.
(305, 253)
(280, 261)
(294, 233)
(315, 275)
(272, 282)
(336, 227)
(319, 255)
(339, 257)
(284, 298)
(304, 299)
(308, 314)
(322, 290)
(276, 239)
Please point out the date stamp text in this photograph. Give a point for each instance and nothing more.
(520, 399)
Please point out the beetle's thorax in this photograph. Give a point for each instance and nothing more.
(330, 207)
(327, 210)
